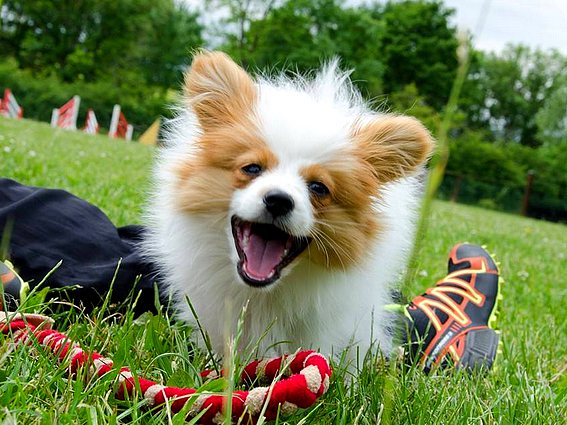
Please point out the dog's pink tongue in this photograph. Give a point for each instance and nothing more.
(263, 255)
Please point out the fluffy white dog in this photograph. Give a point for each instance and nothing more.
(289, 193)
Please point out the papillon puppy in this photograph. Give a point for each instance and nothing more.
(289, 195)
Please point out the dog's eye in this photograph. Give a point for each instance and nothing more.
(318, 189)
(252, 169)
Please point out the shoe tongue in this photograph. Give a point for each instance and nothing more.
(264, 253)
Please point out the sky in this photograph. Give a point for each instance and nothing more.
(536, 23)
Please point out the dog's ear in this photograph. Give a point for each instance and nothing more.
(218, 90)
(393, 145)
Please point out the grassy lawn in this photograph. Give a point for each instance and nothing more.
(529, 384)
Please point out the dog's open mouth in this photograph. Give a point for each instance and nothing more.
(264, 250)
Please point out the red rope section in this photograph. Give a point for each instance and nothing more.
(307, 378)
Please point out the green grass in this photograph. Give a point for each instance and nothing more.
(111, 174)
(528, 386)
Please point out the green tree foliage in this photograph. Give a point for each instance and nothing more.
(495, 174)
(551, 119)
(408, 101)
(388, 46)
(107, 51)
(505, 92)
(166, 49)
(280, 39)
(300, 34)
(233, 26)
(419, 47)
(138, 41)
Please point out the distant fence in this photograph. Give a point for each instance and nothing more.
(91, 123)
(66, 117)
(9, 106)
(504, 196)
(119, 127)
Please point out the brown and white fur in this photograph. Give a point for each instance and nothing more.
(246, 157)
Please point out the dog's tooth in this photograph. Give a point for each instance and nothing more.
(243, 234)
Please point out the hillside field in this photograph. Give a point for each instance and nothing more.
(529, 384)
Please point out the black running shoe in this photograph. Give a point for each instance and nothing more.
(452, 323)
(12, 286)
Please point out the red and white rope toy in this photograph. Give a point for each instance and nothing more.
(308, 379)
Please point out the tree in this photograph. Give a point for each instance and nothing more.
(100, 39)
(235, 25)
(504, 92)
(419, 47)
(301, 34)
(551, 119)
(282, 39)
(166, 49)
(41, 34)
(389, 47)
(409, 102)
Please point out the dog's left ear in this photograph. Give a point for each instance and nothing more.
(394, 146)
(219, 91)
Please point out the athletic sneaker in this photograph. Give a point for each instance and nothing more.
(12, 286)
(451, 323)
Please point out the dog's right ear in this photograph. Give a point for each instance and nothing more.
(393, 145)
(219, 91)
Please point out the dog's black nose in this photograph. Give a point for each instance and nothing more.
(278, 203)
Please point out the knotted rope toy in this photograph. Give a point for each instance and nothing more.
(308, 380)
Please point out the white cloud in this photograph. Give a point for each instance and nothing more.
(537, 23)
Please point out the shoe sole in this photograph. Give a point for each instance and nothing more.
(495, 314)
(481, 349)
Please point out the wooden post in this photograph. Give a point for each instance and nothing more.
(75, 113)
(527, 192)
(114, 121)
(456, 188)
(129, 131)
(54, 117)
